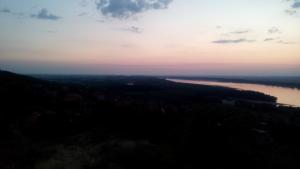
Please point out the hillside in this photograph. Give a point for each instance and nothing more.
(139, 122)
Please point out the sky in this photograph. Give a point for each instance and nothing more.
(151, 37)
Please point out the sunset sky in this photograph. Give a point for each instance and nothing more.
(151, 37)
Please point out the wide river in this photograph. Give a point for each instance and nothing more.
(284, 95)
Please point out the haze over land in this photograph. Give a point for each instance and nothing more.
(207, 37)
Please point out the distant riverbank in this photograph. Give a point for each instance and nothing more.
(284, 95)
(290, 82)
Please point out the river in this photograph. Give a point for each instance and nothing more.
(284, 95)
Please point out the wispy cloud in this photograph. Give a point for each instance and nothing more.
(12, 13)
(296, 5)
(232, 41)
(278, 40)
(5, 10)
(82, 14)
(134, 29)
(126, 8)
(218, 27)
(45, 15)
(290, 12)
(269, 39)
(274, 30)
(285, 42)
(84, 3)
(240, 31)
(51, 31)
(292, 9)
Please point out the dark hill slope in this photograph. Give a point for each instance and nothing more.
(139, 122)
(31, 105)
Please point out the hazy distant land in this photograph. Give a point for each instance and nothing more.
(283, 81)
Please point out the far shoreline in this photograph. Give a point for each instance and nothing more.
(281, 99)
(269, 82)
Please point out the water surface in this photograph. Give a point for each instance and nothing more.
(284, 95)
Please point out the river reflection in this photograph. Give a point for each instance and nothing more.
(284, 95)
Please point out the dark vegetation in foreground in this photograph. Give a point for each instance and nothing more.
(92, 122)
